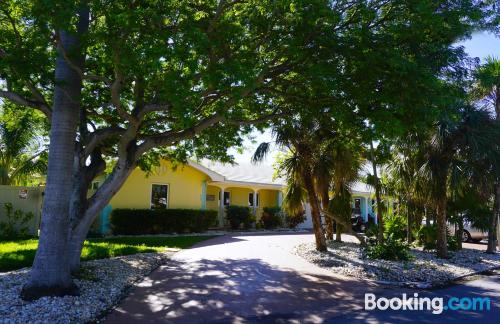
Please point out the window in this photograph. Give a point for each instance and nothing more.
(250, 199)
(159, 196)
(357, 203)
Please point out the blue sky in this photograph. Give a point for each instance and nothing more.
(480, 45)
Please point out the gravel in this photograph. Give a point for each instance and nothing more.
(102, 284)
(425, 269)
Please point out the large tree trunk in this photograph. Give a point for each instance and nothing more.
(50, 274)
(492, 230)
(315, 213)
(83, 219)
(380, 208)
(441, 244)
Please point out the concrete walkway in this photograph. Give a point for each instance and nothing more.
(255, 278)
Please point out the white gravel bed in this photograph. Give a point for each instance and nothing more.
(349, 260)
(102, 283)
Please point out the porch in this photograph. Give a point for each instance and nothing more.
(219, 195)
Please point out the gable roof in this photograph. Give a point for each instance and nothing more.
(259, 174)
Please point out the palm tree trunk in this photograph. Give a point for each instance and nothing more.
(50, 274)
(315, 213)
(442, 244)
(409, 210)
(380, 208)
(325, 200)
(492, 230)
(460, 232)
(492, 237)
(338, 233)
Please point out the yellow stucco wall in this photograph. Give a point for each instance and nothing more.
(185, 188)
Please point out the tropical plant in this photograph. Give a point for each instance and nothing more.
(16, 223)
(23, 154)
(391, 249)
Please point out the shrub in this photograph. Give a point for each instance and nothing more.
(395, 226)
(293, 220)
(160, 221)
(427, 238)
(238, 216)
(391, 249)
(271, 218)
(15, 224)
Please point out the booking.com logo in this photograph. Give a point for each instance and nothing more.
(436, 304)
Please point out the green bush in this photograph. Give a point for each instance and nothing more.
(395, 226)
(392, 249)
(271, 218)
(293, 220)
(161, 221)
(238, 216)
(427, 238)
(371, 230)
(15, 224)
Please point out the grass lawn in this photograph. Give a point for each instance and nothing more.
(20, 253)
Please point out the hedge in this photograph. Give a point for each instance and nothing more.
(161, 221)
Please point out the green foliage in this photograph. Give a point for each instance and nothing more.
(392, 249)
(271, 218)
(23, 156)
(160, 221)
(395, 226)
(371, 230)
(293, 220)
(239, 216)
(20, 253)
(427, 237)
(16, 224)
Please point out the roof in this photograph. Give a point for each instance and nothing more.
(260, 174)
(243, 172)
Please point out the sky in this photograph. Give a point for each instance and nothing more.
(480, 45)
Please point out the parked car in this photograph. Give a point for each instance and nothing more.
(470, 234)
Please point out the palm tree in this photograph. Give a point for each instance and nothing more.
(467, 132)
(299, 139)
(488, 90)
(308, 168)
(22, 152)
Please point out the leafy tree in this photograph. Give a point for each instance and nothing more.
(23, 154)
(130, 82)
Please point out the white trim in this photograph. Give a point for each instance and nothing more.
(214, 176)
(151, 193)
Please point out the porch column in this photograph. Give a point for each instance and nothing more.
(280, 198)
(204, 195)
(255, 201)
(221, 207)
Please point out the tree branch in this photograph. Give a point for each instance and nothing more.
(20, 100)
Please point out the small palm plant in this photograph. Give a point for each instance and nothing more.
(23, 154)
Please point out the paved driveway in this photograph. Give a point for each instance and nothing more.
(255, 278)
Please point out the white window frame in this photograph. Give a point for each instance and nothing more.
(151, 193)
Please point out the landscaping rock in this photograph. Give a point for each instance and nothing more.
(102, 284)
(425, 270)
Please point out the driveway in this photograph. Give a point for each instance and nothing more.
(255, 278)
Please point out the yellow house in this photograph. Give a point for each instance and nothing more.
(200, 186)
